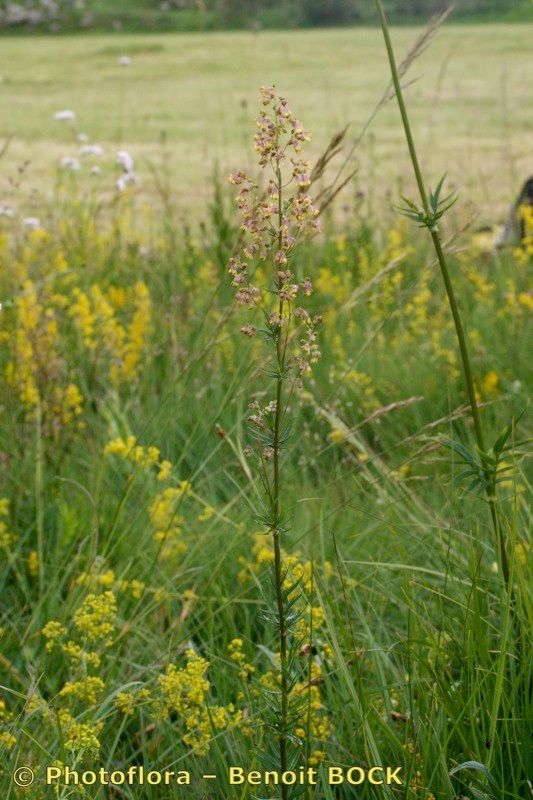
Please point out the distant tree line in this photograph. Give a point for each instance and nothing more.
(211, 14)
(344, 12)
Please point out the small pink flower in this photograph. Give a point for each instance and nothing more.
(307, 287)
(248, 330)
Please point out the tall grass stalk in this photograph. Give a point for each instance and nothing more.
(432, 210)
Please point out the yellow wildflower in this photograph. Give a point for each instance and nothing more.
(490, 382)
(206, 514)
(53, 631)
(88, 689)
(7, 740)
(165, 471)
(125, 703)
(33, 563)
(95, 618)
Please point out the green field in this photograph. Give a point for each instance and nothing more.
(197, 92)
(254, 510)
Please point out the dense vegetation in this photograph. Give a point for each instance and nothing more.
(176, 15)
(246, 514)
(134, 582)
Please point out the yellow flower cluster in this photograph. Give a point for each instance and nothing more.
(396, 247)
(136, 335)
(7, 739)
(78, 655)
(94, 622)
(316, 721)
(313, 720)
(298, 570)
(53, 631)
(37, 369)
(521, 553)
(330, 283)
(166, 521)
(262, 551)
(238, 657)
(7, 537)
(114, 325)
(95, 618)
(88, 689)
(163, 510)
(186, 687)
(129, 450)
(33, 563)
(80, 736)
(96, 578)
(417, 310)
(183, 691)
(515, 301)
(310, 623)
(126, 702)
(490, 383)
(100, 577)
(385, 302)
(206, 514)
(483, 289)
(95, 315)
(337, 435)
(30, 326)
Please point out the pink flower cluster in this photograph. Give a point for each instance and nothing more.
(271, 225)
(273, 221)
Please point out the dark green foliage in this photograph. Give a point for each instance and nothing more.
(190, 15)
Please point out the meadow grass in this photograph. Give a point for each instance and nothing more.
(135, 617)
(187, 103)
(418, 663)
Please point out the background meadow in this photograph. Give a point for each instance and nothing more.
(134, 578)
(187, 103)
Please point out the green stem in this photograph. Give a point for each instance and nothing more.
(278, 578)
(276, 501)
(490, 491)
(39, 496)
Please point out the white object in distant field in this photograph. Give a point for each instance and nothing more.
(126, 180)
(124, 61)
(32, 223)
(125, 160)
(91, 150)
(6, 211)
(67, 162)
(65, 116)
(95, 170)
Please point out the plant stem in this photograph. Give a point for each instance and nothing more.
(276, 501)
(278, 578)
(490, 490)
(39, 495)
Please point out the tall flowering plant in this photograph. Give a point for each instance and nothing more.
(275, 219)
